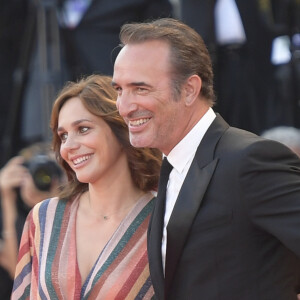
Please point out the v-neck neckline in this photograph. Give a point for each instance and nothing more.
(86, 286)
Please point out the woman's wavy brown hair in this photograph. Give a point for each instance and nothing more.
(99, 98)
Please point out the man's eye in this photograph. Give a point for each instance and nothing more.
(142, 90)
(118, 90)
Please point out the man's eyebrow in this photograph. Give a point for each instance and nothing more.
(139, 83)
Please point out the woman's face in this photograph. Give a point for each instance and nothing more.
(87, 143)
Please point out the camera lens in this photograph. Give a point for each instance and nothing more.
(42, 178)
(43, 170)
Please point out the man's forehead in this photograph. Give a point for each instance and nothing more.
(144, 50)
(142, 55)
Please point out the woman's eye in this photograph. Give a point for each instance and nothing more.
(83, 129)
(63, 136)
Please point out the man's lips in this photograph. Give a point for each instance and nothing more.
(138, 122)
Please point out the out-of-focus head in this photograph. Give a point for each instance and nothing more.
(287, 135)
(99, 98)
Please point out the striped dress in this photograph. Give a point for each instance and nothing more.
(47, 266)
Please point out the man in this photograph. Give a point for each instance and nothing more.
(228, 226)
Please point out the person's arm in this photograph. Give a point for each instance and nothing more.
(24, 269)
(270, 184)
(10, 178)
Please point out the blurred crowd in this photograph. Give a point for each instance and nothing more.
(255, 46)
(45, 43)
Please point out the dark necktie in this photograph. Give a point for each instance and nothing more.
(165, 170)
(156, 229)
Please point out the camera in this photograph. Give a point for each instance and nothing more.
(43, 171)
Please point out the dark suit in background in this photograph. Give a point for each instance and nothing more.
(89, 46)
(286, 87)
(248, 95)
(13, 16)
(28, 78)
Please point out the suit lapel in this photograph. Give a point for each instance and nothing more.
(191, 195)
(186, 207)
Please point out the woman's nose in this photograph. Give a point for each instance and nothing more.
(71, 143)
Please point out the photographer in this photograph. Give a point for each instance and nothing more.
(24, 181)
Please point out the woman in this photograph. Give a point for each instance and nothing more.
(90, 242)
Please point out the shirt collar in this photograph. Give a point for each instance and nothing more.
(185, 150)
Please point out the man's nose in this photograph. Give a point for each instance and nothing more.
(126, 104)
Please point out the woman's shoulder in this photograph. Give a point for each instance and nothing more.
(51, 206)
(51, 211)
(45, 204)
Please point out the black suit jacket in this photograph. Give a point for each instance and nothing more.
(234, 231)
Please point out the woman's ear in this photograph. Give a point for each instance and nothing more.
(192, 89)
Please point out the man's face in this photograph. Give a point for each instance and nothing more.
(142, 79)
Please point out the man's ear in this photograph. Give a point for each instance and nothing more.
(192, 89)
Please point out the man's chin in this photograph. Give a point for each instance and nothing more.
(138, 142)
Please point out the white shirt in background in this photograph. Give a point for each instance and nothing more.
(228, 23)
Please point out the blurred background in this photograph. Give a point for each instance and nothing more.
(254, 44)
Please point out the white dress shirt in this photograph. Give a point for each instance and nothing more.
(181, 158)
(72, 12)
(228, 23)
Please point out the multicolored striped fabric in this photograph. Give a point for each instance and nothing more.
(47, 265)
